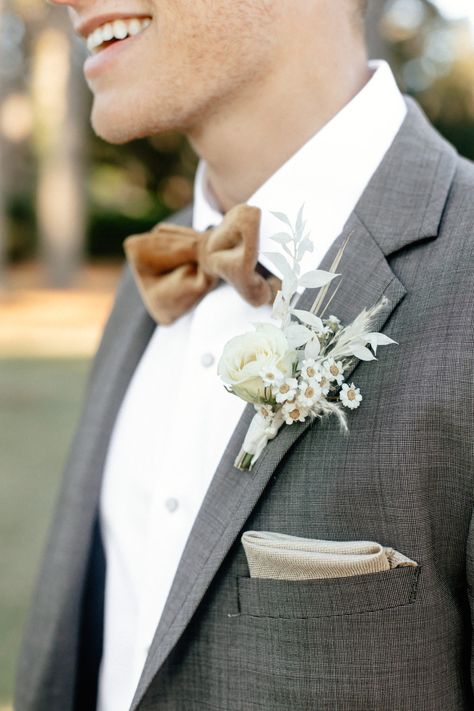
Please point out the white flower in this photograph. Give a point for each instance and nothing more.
(294, 411)
(270, 374)
(286, 390)
(246, 357)
(350, 396)
(333, 322)
(265, 411)
(333, 370)
(310, 393)
(310, 369)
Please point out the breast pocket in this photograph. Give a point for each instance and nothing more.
(337, 644)
(293, 599)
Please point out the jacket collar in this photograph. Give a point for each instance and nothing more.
(404, 201)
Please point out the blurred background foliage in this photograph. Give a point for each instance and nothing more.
(66, 196)
(433, 59)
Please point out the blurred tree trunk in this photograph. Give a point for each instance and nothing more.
(3, 225)
(3, 217)
(59, 97)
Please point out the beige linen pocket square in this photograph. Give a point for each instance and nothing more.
(281, 557)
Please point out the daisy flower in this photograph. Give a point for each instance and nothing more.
(309, 393)
(334, 370)
(310, 369)
(333, 322)
(271, 375)
(265, 411)
(294, 411)
(350, 396)
(286, 390)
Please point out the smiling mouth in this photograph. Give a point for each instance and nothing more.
(116, 31)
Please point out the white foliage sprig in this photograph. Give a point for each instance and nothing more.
(296, 243)
(352, 340)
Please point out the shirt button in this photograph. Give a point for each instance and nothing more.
(172, 504)
(207, 359)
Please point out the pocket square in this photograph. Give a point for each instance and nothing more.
(282, 557)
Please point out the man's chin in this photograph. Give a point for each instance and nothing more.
(112, 128)
(119, 122)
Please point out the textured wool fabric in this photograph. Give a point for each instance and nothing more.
(396, 640)
(279, 557)
(175, 266)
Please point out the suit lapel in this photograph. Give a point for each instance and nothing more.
(110, 383)
(377, 228)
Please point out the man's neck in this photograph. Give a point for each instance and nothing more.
(248, 138)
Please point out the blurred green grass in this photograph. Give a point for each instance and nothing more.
(40, 401)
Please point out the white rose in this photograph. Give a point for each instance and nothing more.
(249, 362)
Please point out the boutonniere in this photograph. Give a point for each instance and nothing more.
(296, 370)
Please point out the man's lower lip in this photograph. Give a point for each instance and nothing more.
(99, 62)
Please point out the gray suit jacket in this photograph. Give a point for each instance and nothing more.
(393, 641)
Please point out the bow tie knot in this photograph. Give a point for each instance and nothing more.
(175, 267)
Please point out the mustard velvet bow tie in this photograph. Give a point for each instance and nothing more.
(175, 266)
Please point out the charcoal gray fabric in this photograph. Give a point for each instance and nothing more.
(397, 640)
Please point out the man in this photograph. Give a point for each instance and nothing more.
(278, 100)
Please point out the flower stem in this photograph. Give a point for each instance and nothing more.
(243, 461)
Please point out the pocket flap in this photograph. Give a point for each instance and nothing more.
(322, 598)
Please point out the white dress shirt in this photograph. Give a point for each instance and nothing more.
(176, 418)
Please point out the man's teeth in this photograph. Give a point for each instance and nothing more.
(118, 29)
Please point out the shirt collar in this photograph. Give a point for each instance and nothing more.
(328, 174)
